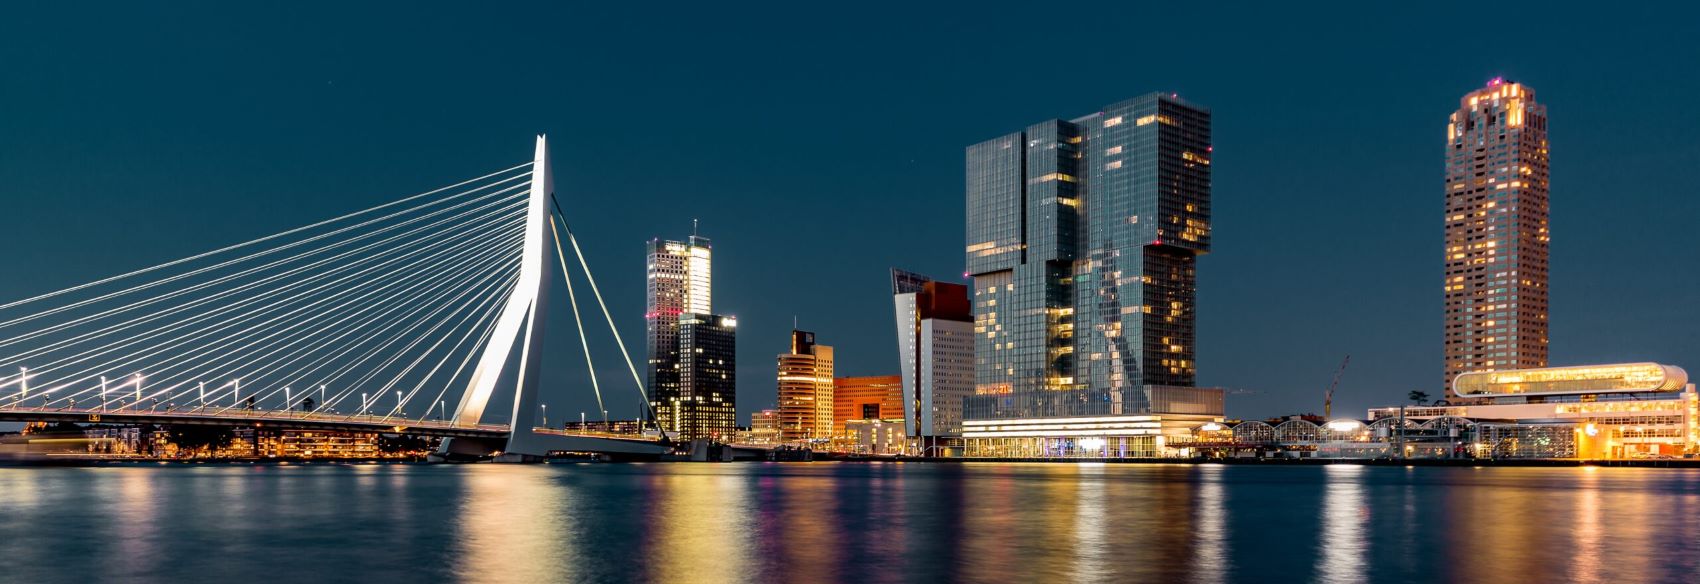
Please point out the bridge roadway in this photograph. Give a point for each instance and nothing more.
(477, 438)
(271, 419)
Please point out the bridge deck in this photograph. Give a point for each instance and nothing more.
(286, 420)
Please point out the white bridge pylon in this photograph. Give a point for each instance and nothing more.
(382, 317)
(523, 309)
(521, 326)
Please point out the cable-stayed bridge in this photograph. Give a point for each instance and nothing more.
(417, 316)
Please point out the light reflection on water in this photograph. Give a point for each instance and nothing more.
(820, 522)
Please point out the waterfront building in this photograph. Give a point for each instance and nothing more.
(692, 393)
(707, 398)
(593, 426)
(1618, 411)
(764, 427)
(865, 398)
(805, 390)
(1083, 237)
(1496, 237)
(935, 341)
(875, 436)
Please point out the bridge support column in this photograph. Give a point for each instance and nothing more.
(520, 325)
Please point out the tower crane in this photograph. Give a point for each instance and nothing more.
(1328, 398)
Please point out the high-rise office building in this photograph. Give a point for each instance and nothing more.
(878, 397)
(1496, 232)
(1083, 236)
(692, 394)
(935, 342)
(805, 390)
(707, 406)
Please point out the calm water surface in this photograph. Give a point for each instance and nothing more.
(824, 522)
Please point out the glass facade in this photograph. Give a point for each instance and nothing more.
(1496, 243)
(680, 290)
(1082, 241)
(1628, 377)
(707, 405)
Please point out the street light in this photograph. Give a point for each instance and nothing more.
(103, 393)
(363, 403)
(545, 415)
(398, 400)
(138, 403)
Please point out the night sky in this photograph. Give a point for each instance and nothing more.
(820, 146)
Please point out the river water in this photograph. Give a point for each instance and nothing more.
(846, 522)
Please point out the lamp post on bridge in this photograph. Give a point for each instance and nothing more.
(201, 396)
(288, 401)
(545, 415)
(363, 403)
(103, 393)
(138, 404)
(397, 402)
(23, 384)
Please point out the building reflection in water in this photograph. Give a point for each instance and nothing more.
(1210, 563)
(134, 545)
(511, 526)
(1092, 547)
(701, 522)
(1344, 517)
(861, 523)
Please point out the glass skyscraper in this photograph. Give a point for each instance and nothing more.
(1083, 236)
(1496, 232)
(692, 370)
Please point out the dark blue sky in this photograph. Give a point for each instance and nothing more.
(821, 145)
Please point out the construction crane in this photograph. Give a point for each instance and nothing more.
(1328, 398)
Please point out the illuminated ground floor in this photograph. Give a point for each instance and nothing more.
(1086, 437)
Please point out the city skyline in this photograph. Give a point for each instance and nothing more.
(1298, 235)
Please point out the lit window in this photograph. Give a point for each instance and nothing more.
(1115, 121)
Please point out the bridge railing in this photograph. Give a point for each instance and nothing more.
(213, 412)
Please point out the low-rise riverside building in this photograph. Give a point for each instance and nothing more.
(1147, 422)
(1592, 412)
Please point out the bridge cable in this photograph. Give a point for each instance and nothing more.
(592, 279)
(583, 341)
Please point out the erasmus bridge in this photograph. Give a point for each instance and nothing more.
(421, 316)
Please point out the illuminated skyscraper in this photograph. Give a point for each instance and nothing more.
(1082, 241)
(692, 392)
(1496, 232)
(707, 405)
(1083, 237)
(805, 390)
